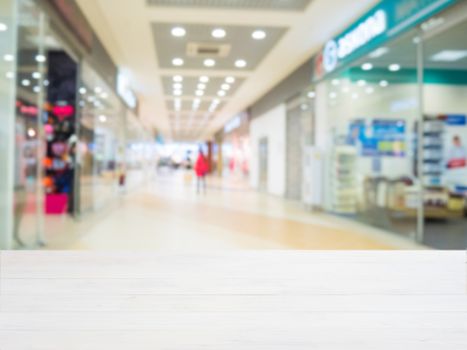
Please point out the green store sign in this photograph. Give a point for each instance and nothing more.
(387, 20)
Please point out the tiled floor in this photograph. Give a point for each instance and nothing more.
(168, 215)
(233, 300)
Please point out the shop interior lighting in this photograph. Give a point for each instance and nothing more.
(40, 58)
(177, 86)
(36, 75)
(240, 63)
(201, 86)
(204, 79)
(209, 62)
(178, 32)
(335, 82)
(36, 89)
(82, 90)
(379, 52)
(199, 93)
(225, 87)
(9, 57)
(102, 118)
(394, 67)
(333, 95)
(221, 93)
(258, 35)
(361, 83)
(345, 89)
(178, 62)
(218, 33)
(369, 90)
(3, 27)
(383, 83)
(230, 80)
(311, 94)
(10, 75)
(177, 92)
(32, 133)
(104, 95)
(367, 66)
(304, 106)
(46, 82)
(449, 56)
(178, 79)
(26, 82)
(98, 90)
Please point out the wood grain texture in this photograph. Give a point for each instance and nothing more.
(239, 300)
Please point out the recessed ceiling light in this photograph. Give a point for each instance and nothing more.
(177, 86)
(258, 34)
(311, 94)
(46, 82)
(221, 93)
(394, 67)
(379, 52)
(102, 118)
(177, 92)
(218, 33)
(178, 78)
(369, 90)
(345, 89)
(361, 83)
(449, 56)
(98, 90)
(383, 83)
(230, 80)
(204, 79)
(201, 86)
(3, 27)
(36, 75)
(178, 62)
(367, 66)
(104, 95)
(225, 87)
(9, 58)
(41, 58)
(199, 93)
(82, 91)
(10, 75)
(32, 133)
(26, 82)
(178, 32)
(240, 63)
(216, 101)
(36, 89)
(209, 62)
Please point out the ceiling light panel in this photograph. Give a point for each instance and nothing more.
(238, 44)
(272, 5)
(186, 106)
(193, 83)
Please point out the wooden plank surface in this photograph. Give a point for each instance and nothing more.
(237, 300)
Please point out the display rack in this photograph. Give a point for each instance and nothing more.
(343, 180)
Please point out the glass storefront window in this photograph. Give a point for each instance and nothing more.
(371, 109)
(7, 93)
(101, 139)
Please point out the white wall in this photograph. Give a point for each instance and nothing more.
(272, 125)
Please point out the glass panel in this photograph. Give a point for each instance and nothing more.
(29, 143)
(445, 132)
(100, 136)
(7, 93)
(372, 109)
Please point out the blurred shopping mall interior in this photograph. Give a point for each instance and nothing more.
(185, 125)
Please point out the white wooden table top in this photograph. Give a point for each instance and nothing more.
(242, 300)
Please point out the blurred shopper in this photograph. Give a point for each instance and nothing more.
(201, 169)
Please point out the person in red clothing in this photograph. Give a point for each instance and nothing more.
(201, 169)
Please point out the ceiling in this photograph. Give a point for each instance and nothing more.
(211, 85)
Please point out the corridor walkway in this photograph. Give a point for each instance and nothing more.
(168, 215)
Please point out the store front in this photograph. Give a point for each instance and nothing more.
(236, 148)
(391, 120)
(63, 132)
